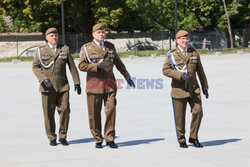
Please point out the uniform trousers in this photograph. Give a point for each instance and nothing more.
(179, 106)
(60, 101)
(95, 102)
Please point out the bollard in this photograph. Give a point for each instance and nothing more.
(218, 53)
(153, 56)
(15, 61)
(240, 52)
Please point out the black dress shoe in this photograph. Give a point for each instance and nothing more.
(53, 143)
(112, 144)
(63, 141)
(98, 145)
(195, 142)
(183, 144)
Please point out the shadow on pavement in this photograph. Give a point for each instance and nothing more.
(137, 142)
(86, 140)
(219, 142)
(78, 141)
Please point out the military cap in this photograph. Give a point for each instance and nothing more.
(98, 26)
(51, 30)
(181, 33)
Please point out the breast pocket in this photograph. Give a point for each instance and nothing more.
(193, 64)
(94, 58)
(194, 61)
(63, 59)
(111, 56)
(46, 59)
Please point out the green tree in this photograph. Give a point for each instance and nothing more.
(31, 15)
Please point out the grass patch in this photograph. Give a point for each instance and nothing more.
(76, 55)
(146, 53)
(8, 59)
(224, 51)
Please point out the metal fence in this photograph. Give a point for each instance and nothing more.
(18, 44)
(165, 40)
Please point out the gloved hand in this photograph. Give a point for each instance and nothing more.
(78, 89)
(101, 66)
(47, 85)
(184, 77)
(190, 49)
(130, 82)
(205, 92)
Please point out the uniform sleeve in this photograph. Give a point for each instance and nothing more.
(84, 65)
(73, 69)
(37, 69)
(201, 74)
(169, 71)
(120, 66)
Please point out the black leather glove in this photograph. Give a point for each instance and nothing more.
(190, 49)
(205, 92)
(47, 85)
(130, 82)
(78, 89)
(185, 77)
(101, 66)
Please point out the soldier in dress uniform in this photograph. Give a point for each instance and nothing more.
(97, 59)
(182, 65)
(49, 66)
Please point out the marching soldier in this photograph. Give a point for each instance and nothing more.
(182, 65)
(97, 59)
(49, 66)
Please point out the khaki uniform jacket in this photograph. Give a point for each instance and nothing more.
(100, 82)
(57, 72)
(193, 62)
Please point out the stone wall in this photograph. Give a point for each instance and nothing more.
(14, 44)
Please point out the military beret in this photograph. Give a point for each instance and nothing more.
(51, 30)
(181, 33)
(98, 26)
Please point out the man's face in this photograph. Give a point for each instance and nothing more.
(99, 35)
(183, 42)
(52, 38)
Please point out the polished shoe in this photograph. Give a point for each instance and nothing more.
(112, 144)
(195, 142)
(53, 143)
(98, 145)
(63, 141)
(183, 144)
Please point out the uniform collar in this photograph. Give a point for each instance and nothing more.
(183, 51)
(98, 44)
(52, 46)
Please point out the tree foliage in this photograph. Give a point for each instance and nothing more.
(121, 15)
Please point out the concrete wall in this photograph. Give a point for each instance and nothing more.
(9, 49)
(13, 44)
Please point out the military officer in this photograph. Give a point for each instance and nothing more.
(97, 59)
(182, 65)
(49, 66)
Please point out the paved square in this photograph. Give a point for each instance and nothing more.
(144, 128)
